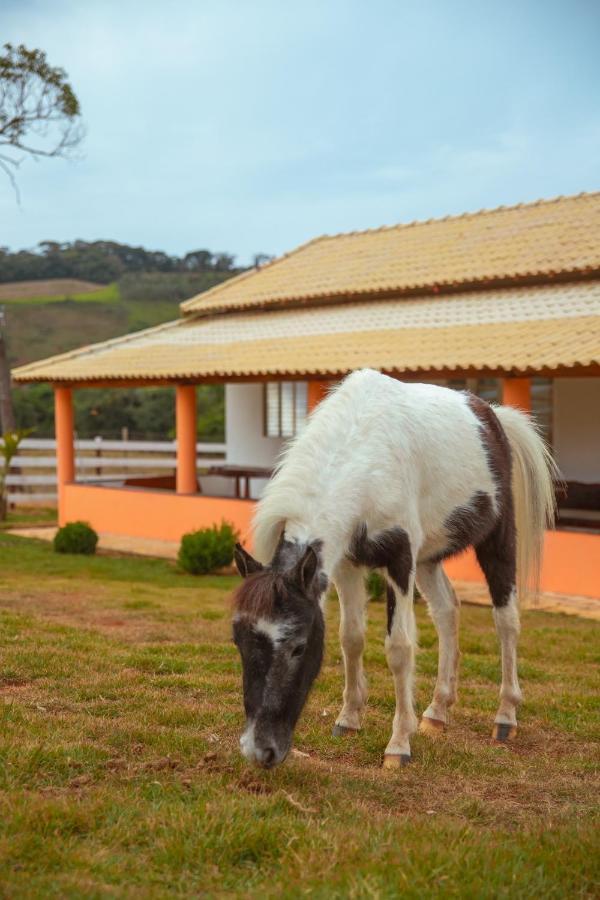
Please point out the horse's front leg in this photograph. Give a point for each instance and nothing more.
(400, 652)
(350, 585)
(444, 610)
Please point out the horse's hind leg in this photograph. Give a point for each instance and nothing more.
(444, 610)
(350, 585)
(497, 558)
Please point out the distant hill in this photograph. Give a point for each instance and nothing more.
(52, 316)
(65, 317)
(62, 295)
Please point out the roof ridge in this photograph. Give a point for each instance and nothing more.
(253, 270)
(542, 201)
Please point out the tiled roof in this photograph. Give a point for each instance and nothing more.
(513, 330)
(528, 243)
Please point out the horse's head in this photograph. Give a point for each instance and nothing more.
(278, 629)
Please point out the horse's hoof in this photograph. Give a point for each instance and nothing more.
(343, 730)
(504, 732)
(432, 727)
(396, 760)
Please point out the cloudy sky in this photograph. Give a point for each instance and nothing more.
(254, 125)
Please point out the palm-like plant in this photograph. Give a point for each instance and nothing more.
(9, 446)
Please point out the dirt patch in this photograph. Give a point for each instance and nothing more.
(12, 681)
(51, 287)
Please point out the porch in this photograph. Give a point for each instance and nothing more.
(163, 508)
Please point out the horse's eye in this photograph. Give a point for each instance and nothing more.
(298, 650)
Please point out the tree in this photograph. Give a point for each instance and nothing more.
(7, 415)
(39, 112)
(261, 259)
(223, 262)
(198, 261)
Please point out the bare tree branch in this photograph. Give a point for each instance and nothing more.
(40, 115)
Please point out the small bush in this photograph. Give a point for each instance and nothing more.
(76, 537)
(376, 586)
(208, 549)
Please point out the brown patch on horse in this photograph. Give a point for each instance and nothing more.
(387, 550)
(497, 551)
(255, 597)
(468, 525)
(390, 597)
(497, 449)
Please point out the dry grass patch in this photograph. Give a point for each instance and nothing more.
(50, 287)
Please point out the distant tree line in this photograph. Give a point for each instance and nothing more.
(146, 413)
(177, 286)
(106, 261)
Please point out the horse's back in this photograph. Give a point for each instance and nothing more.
(415, 449)
(379, 451)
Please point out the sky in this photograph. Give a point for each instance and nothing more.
(251, 126)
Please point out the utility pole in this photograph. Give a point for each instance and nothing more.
(7, 415)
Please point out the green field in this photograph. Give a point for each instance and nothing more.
(51, 322)
(120, 774)
(102, 294)
(44, 326)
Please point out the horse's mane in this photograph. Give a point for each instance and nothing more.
(255, 596)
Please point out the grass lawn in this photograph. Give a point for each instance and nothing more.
(120, 774)
(30, 516)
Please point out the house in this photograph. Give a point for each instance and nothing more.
(505, 302)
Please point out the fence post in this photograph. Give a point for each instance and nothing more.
(98, 452)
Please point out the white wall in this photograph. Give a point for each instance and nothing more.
(577, 428)
(244, 430)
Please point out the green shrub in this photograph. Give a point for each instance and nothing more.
(208, 549)
(376, 586)
(76, 537)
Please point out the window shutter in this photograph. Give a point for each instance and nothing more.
(288, 411)
(272, 416)
(301, 405)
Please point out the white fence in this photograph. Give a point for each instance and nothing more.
(32, 475)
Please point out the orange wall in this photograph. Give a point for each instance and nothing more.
(161, 515)
(571, 564)
(571, 558)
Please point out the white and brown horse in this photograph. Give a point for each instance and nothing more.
(395, 477)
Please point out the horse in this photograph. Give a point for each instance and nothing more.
(395, 477)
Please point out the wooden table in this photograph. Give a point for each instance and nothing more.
(240, 473)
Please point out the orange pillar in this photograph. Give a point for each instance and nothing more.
(517, 392)
(185, 426)
(316, 392)
(65, 449)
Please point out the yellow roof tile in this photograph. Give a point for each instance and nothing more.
(509, 245)
(504, 330)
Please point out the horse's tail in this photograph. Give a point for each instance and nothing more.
(533, 475)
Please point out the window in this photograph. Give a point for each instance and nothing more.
(286, 406)
(490, 389)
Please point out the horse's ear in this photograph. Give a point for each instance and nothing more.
(307, 568)
(246, 564)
